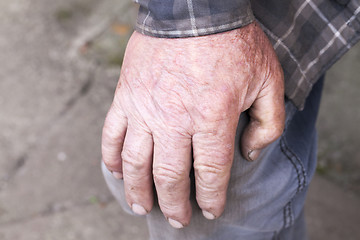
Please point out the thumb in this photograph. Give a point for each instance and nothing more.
(267, 118)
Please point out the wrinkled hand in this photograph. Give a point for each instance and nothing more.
(178, 97)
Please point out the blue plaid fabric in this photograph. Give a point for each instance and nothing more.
(308, 35)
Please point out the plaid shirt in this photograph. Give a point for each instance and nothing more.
(308, 35)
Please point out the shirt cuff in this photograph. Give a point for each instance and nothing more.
(191, 18)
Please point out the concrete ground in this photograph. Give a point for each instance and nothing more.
(59, 67)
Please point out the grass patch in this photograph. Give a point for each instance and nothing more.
(94, 200)
(321, 170)
(115, 60)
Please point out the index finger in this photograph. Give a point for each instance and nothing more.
(113, 136)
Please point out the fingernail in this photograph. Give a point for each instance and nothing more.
(253, 155)
(138, 209)
(208, 215)
(117, 175)
(175, 224)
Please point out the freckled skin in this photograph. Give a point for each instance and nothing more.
(178, 95)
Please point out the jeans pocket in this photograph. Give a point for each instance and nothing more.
(299, 145)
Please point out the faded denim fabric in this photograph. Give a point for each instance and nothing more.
(265, 198)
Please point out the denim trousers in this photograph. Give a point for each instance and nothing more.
(265, 198)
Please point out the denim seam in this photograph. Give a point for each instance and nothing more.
(285, 216)
(291, 214)
(284, 150)
(286, 211)
(301, 177)
(296, 162)
(288, 215)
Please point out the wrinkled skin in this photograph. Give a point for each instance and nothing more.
(178, 97)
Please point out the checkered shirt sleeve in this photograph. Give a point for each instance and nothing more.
(308, 35)
(190, 18)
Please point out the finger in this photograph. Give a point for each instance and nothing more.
(171, 169)
(137, 161)
(113, 135)
(213, 156)
(267, 117)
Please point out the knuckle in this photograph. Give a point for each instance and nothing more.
(111, 162)
(271, 134)
(110, 150)
(168, 176)
(127, 155)
(273, 129)
(108, 162)
(208, 180)
(113, 127)
(133, 160)
(110, 132)
(214, 175)
(276, 130)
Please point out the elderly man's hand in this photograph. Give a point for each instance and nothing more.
(182, 98)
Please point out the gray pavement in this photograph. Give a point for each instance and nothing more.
(58, 72)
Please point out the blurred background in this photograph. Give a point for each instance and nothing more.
(59, 65)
